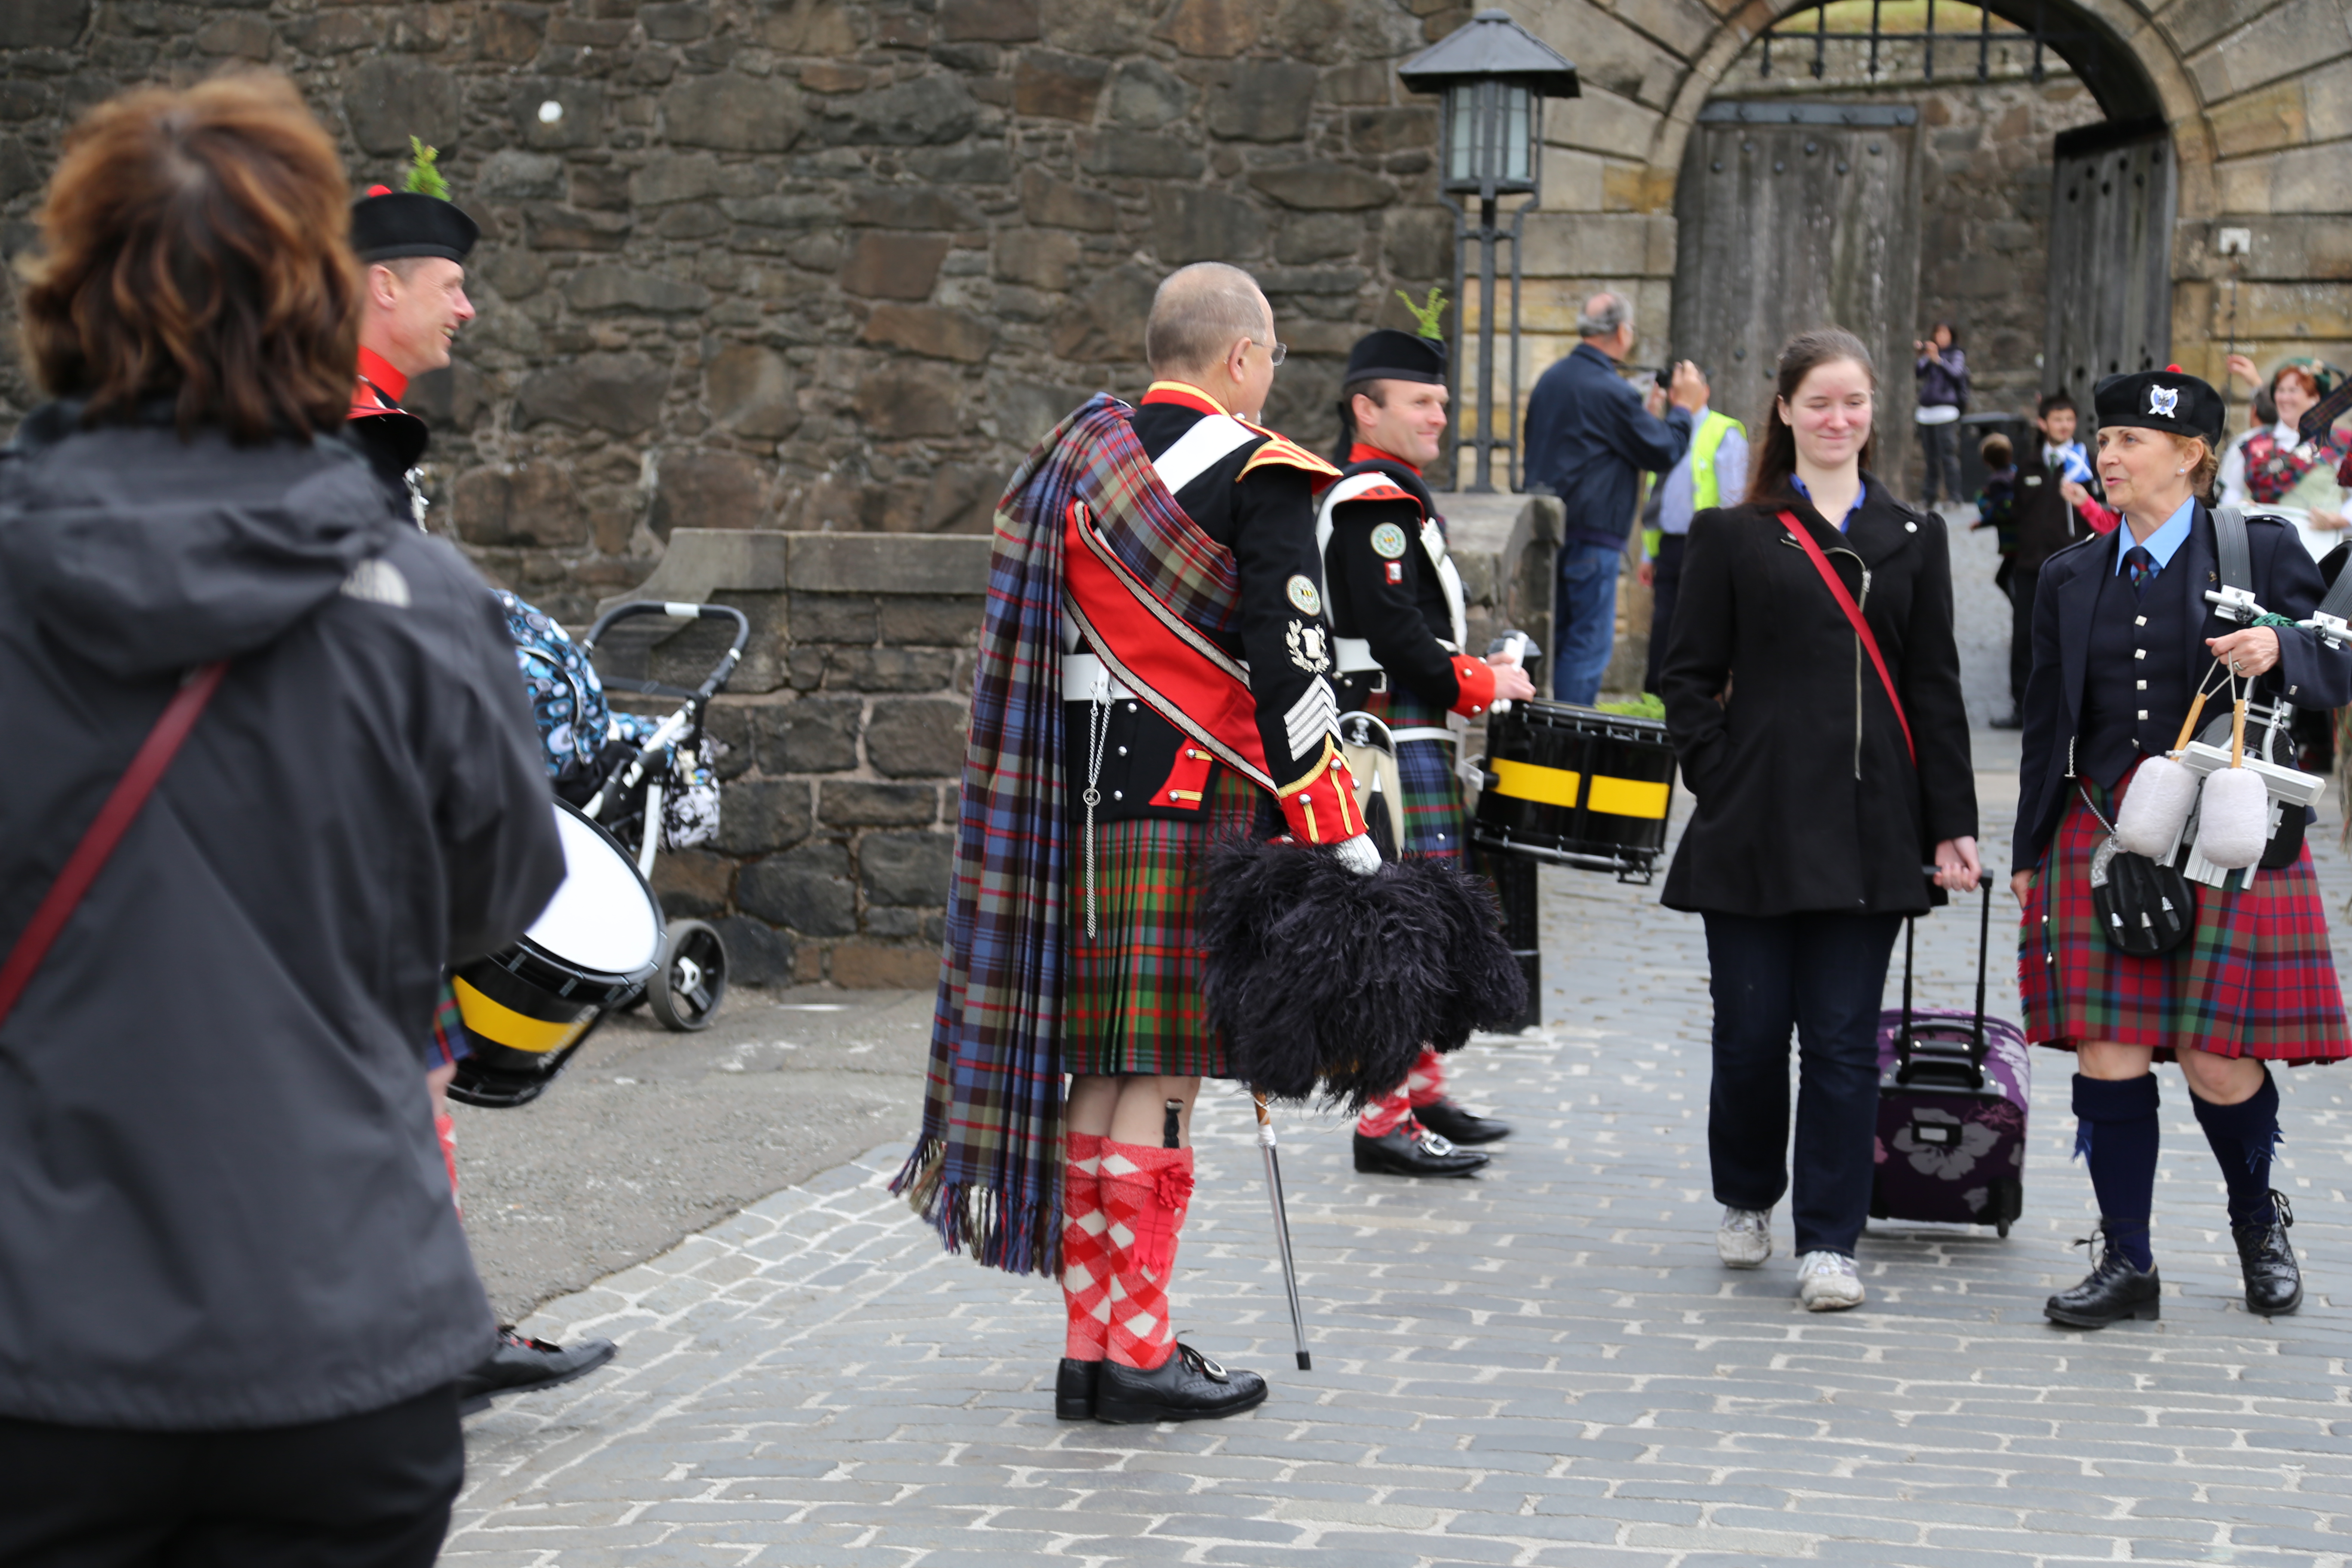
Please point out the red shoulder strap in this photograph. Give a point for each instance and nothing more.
(1853, 619)
(106, 831)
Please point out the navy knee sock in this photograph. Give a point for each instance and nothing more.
(2116, 1136)
(2242, 1136)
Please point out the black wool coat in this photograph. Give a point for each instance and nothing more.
(1808, 801)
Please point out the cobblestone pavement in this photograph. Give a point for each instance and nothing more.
(1545, 1365)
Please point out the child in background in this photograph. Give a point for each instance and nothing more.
(2056, 417)
(1997, 502)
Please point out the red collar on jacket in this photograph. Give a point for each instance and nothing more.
(1363, 452)
(1184, 395)
(381, 373)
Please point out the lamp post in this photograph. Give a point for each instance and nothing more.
(1492, 76)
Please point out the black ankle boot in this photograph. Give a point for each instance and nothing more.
(1187, 1386)
(1458, 1126)
(1074, 1389)
(2113, 1290)
(2273, 1282)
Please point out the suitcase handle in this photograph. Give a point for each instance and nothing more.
(1939, 1063)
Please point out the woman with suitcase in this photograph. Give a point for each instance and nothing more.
(1813, 694)
(2124, 631)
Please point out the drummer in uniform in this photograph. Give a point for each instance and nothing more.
(1397, 612)
(412, 245)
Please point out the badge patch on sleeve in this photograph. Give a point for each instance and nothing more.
(1395, 570)
(1388, 542)
(1304, 596)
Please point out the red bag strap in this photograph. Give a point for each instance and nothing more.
(113, 820)
(1853, 619)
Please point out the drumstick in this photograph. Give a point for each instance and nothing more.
(2238, 733)
(2189, 726)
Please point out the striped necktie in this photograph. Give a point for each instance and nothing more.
(2142, 567)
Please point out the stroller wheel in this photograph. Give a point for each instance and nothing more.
(686, 993)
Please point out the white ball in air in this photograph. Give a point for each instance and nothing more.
(550, 112)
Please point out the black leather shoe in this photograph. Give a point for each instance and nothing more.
(1187, 1386)
(1074, 1389)
(2113, 1291)
(1410, 1151)
(1458, 1126)
(522, 1364)
(2273, 1282)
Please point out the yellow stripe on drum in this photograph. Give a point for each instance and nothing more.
(501, 1024)
(1630, 797)
(1525, 781)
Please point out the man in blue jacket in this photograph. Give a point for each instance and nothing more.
(1589, 438)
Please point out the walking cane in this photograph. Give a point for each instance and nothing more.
(1281, 1226)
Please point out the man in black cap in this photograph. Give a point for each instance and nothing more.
(413, 245)
(1397, 613)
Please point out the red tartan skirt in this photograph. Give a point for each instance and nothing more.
(2255, 979)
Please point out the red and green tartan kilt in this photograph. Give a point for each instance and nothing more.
(1429, 789)
(1134, 1002)
(2255, 979)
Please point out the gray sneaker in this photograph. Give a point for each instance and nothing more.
(1744, 1239)
(1828, 1282)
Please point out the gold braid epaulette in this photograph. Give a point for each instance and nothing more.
(1281, 451)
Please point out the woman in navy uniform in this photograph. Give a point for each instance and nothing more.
(2123, 632)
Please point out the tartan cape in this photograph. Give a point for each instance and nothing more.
(986, 1168)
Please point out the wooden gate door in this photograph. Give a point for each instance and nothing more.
(1792, 215)
(2111, 200)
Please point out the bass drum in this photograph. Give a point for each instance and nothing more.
(592, 949)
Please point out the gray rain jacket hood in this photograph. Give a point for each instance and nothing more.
(222, 1203)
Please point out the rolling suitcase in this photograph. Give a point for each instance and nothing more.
(1953, 1093)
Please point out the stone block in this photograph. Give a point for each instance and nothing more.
(19, 171)
(1322, 185)
(971, 164)
(834, 617)
(1056, 86)
(508, 33)
(927, 110)
(510, 174)
(795, 213)
(1602, 121)
(1120, 153)
(988, 21)
(708, 489)
(815, 736)
(806, 889)
(42, 24)
(1263, 101)
(1027, 411)
(1587, 245)
(887, 668)
(918, 738)
(911, 206)
(929, 330)
(730, 724)
(750, 391)
(1199, 223)
(903, 400)
(908, 870)
(695, 881)
(1106, 322)
(957, 498)
(1419, 243)
(757, 816)
(855, 803)
(579, 122)
(868, 966)
(245, 36)
(609, 286)
(1382, 131)
(552, 226)
(757, 955)
(530, 504)
(1058, 204)
(514, 272)
(621, 393)
(733, 112)
(849, 563)
(1042, 259)
(930, 621)
(390, 98)
(1216, 29)
(887, 266)
(681, 22)
(806, 26)
(696, 176)
(1146, 94)
(889, 920)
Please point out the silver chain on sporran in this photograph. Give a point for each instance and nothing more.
(1098, 736)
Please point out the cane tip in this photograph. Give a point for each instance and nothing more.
(1306, 1362)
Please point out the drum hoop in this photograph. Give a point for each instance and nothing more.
(575, 975)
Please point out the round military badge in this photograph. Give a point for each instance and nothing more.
(1302, 596)
(1388, 542)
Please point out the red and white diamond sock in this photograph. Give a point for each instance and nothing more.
(1145, 1193)
(446, 1126)
(1425, 1084)
(1085, 1253)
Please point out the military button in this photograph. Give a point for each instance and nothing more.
(2142, 685)
(1910, 527)
(1130, 706)
(2139, 620)
(2139, 653)
(1118, 794)
(2143, 713)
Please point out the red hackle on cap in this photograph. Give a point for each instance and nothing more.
(387, 190)
(2174, 369)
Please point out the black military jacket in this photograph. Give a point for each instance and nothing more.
(1385, 588)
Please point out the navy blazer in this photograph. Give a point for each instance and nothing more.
(1589, 440)
(2309, 674)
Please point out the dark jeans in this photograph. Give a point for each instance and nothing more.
(2021, 633)
(1940, 446)
(1665, 583)
(1587, 608)
(367, 1491)
(1824, 974)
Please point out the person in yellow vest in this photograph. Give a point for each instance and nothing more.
(1713, 472)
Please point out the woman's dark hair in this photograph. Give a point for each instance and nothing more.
(1936, 327)
(196, 251)
(1776, 454)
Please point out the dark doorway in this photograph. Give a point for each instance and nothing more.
(2111, 208)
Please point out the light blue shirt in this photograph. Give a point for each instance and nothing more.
(1674, 498)
(1860, 496)
(2164, 542)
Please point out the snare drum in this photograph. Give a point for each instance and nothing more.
(1577, 787)
(527, 1009)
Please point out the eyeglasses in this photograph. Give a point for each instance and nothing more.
(1275, 353)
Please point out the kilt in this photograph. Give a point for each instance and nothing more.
(1430, 790)
(1134, 1003)
(2255, 979)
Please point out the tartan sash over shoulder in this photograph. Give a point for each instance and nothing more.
(986, 1170)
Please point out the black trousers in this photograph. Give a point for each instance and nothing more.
(1666, 584)
(367, 1491)
(1939, 446)
(1824, 975)
(2021, 633)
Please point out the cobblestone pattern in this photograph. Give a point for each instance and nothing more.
(1543, 1366)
